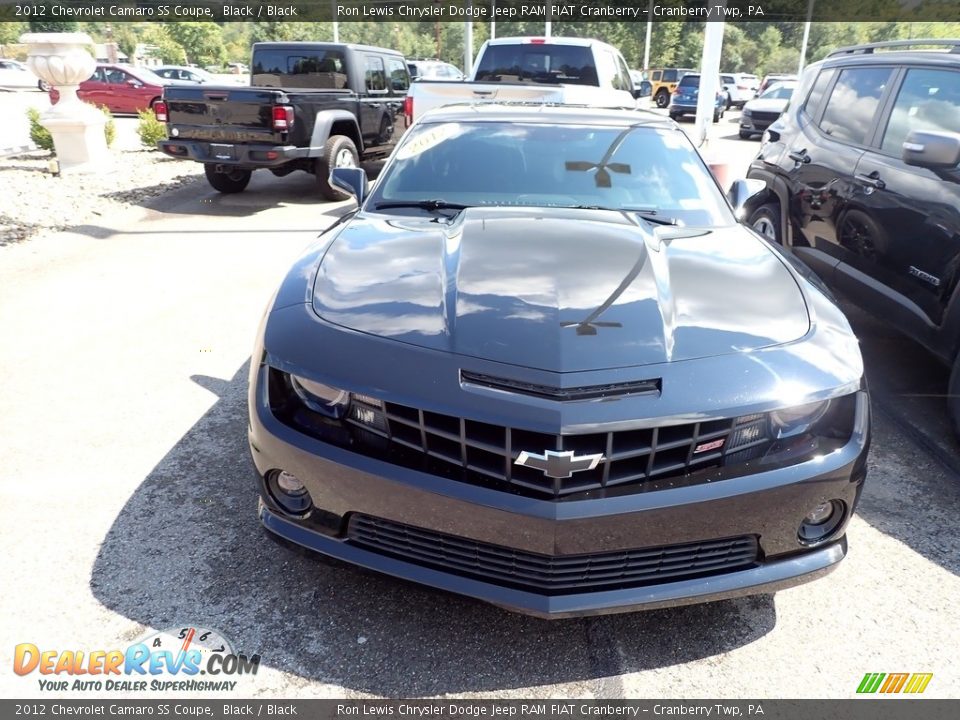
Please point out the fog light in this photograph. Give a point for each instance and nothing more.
(821, 522)
(288, 493)
(289, 483)
(820, 514)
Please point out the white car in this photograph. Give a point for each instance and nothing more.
(16, 75)
(760, 113)
(739, 87)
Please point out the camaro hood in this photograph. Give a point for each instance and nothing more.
(559, 290)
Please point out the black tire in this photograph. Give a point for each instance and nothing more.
(766, 221)
(716, 116)
(233, 181)
(729, 102)
(675, 117)
(43, 86)
(662, 98)
(745, 135)
(335, 148)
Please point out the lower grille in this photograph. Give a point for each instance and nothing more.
(551, 574)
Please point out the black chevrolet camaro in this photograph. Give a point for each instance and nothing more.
(545, 366)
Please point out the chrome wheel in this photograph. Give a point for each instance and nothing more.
(344, 158)
(764, 226)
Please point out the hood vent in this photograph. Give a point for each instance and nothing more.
(588, 392)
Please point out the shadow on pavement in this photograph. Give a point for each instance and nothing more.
(913, 489)
(187, 548)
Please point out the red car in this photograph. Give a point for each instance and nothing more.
(122, 88)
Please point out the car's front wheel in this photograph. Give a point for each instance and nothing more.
(745, 135)
(662, 99)
(232, 181)
(339, 151)
(766, 221)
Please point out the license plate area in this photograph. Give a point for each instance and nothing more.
(223, 152)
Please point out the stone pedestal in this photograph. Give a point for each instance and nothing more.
(62, 60)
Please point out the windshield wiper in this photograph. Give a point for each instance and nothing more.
(422, 204)
(652, 216)
(647, 214)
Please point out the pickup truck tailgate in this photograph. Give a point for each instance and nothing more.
(222, 113)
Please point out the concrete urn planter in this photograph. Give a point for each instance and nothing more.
(63, 61)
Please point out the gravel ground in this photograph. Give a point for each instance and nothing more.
(34, 201)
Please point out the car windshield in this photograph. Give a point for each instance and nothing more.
(148, 76)
(780, 91)
(552, 165)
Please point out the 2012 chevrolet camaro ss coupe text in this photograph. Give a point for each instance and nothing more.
(543, 365)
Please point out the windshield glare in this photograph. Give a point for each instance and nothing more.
(541, 165)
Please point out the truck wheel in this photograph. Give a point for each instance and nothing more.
(766, 221)
(339, 151)
(662, 99)
(233, 181)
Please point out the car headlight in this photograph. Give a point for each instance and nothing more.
(793, 421)
(324, 399)
(746, 113)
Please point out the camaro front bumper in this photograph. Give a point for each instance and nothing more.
(768, 505)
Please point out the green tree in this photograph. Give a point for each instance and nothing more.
(10, 32)
(167, 49)
(201, 41)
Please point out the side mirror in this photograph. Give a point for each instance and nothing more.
(740, 193)
(352, 181)
(931, 149)
(134, 83)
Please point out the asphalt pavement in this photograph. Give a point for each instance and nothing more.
(128, 505)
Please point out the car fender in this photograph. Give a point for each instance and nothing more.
(776, 187)
(322, 125)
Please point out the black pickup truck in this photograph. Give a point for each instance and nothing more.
(310, 106)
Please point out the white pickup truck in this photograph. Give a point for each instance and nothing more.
(571, 71)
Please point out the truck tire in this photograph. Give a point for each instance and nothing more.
(234, 181)
(662, 99)
(339, 151)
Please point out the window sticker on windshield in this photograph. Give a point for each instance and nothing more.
(428, 139)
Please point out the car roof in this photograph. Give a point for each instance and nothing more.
(300, 45)
(546, 113)
(552, 40)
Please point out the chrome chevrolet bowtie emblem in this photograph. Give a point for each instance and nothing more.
(558, 464)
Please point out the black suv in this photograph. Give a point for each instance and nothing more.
(863, 184)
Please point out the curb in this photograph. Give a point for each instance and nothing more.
(17, 150)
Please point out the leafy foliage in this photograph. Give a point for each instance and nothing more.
(150, 130)
(39, 135)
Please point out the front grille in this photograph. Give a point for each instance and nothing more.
(587, 392)
(764, 117)
(481, 453)
(551, 574)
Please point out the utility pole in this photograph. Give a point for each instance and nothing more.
(806, 37)
(646, 46)
(493, 23)
(468, 43)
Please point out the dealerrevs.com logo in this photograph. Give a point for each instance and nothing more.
(181, 659)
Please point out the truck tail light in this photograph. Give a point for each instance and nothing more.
(408, 108)
(282, 118)
(160, 110)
